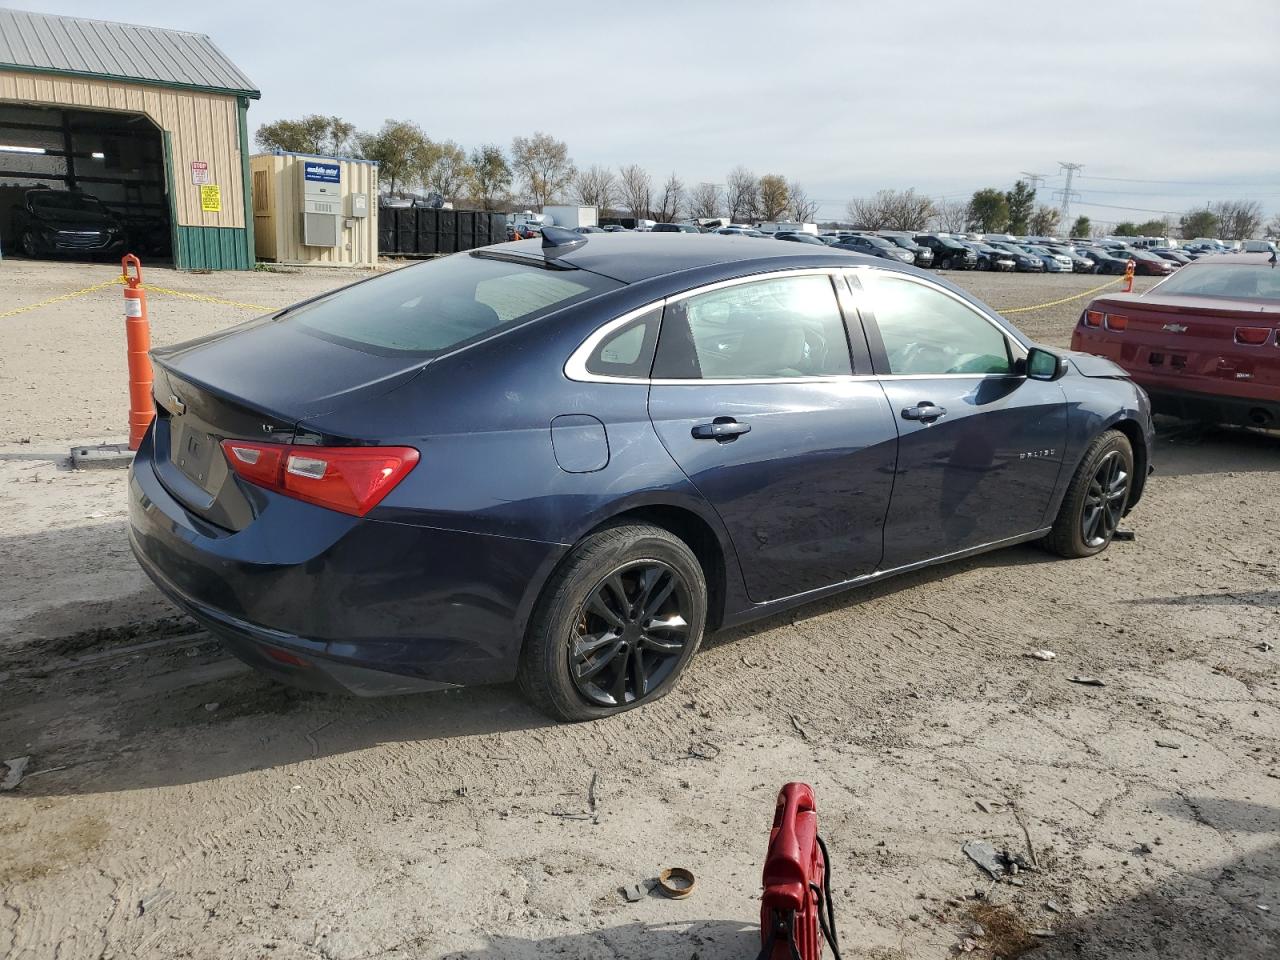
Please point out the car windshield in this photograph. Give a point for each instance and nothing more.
(436, 306)
(58, 200)
(1233, 281)
(1039, 250)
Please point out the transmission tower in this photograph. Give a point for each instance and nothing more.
(1035, 179)
(1066, 193)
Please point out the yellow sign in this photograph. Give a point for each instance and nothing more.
(211, 198)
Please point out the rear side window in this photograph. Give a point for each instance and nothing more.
(769, 329)
(437, 306)
(628, 351)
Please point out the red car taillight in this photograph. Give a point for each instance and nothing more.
(350, 480)
(1116, 322)
(1252, 336)
(1093, 318)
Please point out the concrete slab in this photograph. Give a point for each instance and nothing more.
(102, 456)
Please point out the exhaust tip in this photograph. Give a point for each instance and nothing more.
(1261, 417)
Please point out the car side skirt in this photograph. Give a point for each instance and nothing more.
(758, 611)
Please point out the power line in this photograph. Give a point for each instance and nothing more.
(1035, 178)
(1184, 183)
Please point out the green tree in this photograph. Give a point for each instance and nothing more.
(989, 210)
(1044, 222)
(398, 148)
(774, 196)
(1082, 227)
(1125, 228)
(490, 175)
(543, 165)
(1198, 223)
(1152, 228)
(312, 134)
(1021, 200)
(443, 168)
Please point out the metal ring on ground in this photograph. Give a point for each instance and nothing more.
(676, 882)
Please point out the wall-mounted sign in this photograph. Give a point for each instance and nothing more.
(322, 172)
(199, 172)
(211, 198)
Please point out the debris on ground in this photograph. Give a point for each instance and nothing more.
(1168, 744)
(153, 899)
(987, 806)
(1087, 681)
(1264, 647)
(634, 893)
(1043, 654)
(1124, 536)
(795, 722)
(17, 769)
(1053, 906)
(996, 863)
(1043, 933)
(211, 707)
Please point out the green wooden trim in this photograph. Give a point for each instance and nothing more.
(117, 78)
(172, 196)
(250, 250)
(211, 248)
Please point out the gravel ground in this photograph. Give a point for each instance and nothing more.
(288, 825)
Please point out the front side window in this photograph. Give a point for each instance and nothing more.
(780, 328)
(927, 332)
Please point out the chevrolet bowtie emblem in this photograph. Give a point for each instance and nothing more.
(1174, 328)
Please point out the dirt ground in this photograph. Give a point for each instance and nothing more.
(176, 805)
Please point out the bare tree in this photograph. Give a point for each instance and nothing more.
(951, 216)
(773, 196)
(596, 187)
(704, 201)
(636, 190)
(671, 200)
(891, 210)
(1238, 219)
(443, 167)
(802, 208)
(543, 165)
(742, 194)
(1044, 221)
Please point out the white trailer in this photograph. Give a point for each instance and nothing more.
(787, 226)
(572, 216)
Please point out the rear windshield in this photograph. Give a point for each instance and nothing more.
(433, 307)
(1240, 281)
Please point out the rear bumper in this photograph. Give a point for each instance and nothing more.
(1217, 408)
(368, 606)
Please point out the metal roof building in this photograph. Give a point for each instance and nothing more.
(151, 122)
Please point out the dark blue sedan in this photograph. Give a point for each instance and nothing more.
(564, 461)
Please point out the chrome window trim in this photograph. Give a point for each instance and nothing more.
(575, 367)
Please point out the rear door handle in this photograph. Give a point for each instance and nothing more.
(925, 412)
(722, 429)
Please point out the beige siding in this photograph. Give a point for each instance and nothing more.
(277, 226)
(202, 126)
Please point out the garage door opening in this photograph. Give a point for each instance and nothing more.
(81, 184)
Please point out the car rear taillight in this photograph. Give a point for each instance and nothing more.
(350, 480)
(1116, 322)
(1093, 318)
(1252, 336)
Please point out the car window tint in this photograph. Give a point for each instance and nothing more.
(779, 328)
(436, 306)
(927, 332)
(628, 352)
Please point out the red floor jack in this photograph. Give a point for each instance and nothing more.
(796, 913)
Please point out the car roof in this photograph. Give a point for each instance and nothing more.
(1260, 259)
(633, 257)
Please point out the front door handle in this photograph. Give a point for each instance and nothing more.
(722, 429)
(925, 412)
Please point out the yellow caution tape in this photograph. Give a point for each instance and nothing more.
(58, 299)
(203, 299)
(1054, 303)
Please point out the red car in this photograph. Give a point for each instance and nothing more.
(1204, 343)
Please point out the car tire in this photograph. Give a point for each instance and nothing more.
(574, 653)
(28, 244)
(1096, 498)
(945, 263)
(984, 265)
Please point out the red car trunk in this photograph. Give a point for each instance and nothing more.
(1181, 349)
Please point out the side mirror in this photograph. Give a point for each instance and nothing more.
(1041, 364)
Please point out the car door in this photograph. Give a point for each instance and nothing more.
(754, 395)
(980, 445)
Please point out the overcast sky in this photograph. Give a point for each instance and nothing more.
(844, 97)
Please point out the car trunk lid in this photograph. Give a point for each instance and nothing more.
(256, 385)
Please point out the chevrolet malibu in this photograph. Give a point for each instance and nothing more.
(565, 461)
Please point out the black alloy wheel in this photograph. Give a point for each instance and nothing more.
(29, 244)
(630, 634)
(945, 264)
(1105, 500)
